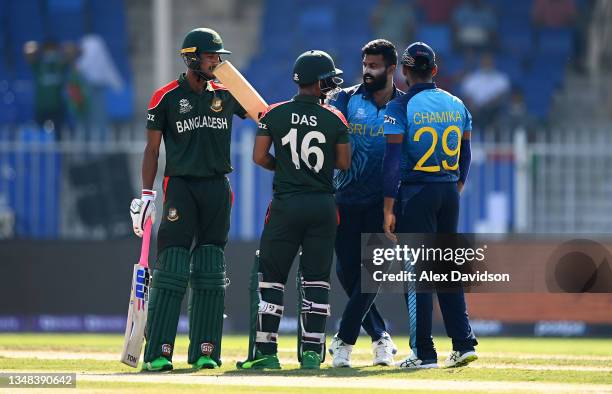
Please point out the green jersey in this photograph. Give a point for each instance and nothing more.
(196, 127)
(305, 134)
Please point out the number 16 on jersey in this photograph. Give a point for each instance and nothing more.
(139, 304)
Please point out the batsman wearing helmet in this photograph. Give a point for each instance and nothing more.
(193, 115)
(428, 156)
(310, 140)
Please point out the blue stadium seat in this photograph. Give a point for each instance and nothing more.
(518, 10)
(554, 69)
(511, 65)
(515, 38)
(556, 41)
(109, 21)
(452, 63)
(317, 19)
(24, 100)
(24, 23)
(538, 91)
(8, 106)
(120, 104)
(437, 36)
(65, 19)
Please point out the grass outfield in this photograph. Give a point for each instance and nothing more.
(506, 365)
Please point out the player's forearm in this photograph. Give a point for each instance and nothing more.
(343, 162)
(465, 158)
(267, 161)
(149, 167)
(343, 156)
(388, 205)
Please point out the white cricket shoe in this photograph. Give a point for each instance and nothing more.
(341, 353)
(460, 359)
(383, 350)
(413, 362)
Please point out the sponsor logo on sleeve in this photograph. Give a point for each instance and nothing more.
(390, 119)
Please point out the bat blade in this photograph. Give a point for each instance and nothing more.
(137, 317)
(241, 89)
(139, 305)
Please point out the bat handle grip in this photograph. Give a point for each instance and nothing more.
(146, 240)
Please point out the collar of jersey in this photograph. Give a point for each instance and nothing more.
(184, 84)
(306, 98)
(419, 87)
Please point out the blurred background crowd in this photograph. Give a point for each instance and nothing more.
(75, 77)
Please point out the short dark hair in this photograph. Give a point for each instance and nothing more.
(421, 74)
(381, 47)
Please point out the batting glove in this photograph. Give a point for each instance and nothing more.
(141, 209)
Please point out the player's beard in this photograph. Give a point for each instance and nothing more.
(378, 82)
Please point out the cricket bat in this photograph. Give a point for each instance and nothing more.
(241, 89)
(139, 304)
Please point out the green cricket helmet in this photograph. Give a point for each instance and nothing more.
(313, 66)
(198, 41)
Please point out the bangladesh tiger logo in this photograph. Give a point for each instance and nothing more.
(217, 104)
(173, 214)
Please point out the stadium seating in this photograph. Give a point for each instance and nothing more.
(289, 27)
(60, 21)
(65, 20)
(437, 36)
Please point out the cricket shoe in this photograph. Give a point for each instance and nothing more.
(158, 365)
(205, 362)
(261, 361)
(383, 349)
(310, 360)
(458, 358)
(341, 353)
(413, 362)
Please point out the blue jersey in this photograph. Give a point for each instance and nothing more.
(362, 183)
(432, 122)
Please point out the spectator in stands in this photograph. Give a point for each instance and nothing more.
(515, 114)
(554, 13)
(75, 90)
(438, 11)
(48, 68)
(474, 26)
(485, 89)
(394, 20)
(97, 67)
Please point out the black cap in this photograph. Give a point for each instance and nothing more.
(419, 56)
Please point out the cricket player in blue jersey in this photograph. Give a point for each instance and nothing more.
(426, 164)
(359, 198)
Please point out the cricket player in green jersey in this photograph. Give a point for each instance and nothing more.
(193, 115)
(310, 140)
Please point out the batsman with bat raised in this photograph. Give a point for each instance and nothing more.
(310, 140)
(193, 115)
